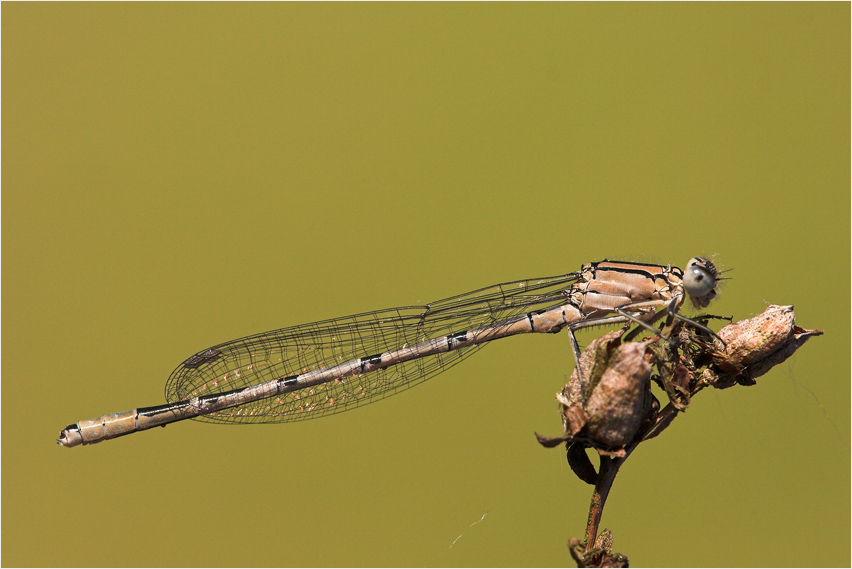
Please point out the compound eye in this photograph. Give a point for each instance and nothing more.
(699, 281)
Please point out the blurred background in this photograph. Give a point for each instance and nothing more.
(178, 175)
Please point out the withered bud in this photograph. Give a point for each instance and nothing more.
(621, 399)
(617, 387)
(614, 403)
(755, 345)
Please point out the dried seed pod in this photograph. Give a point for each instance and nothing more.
(593, 362)
(755, 345)
(754, 339)
(617, 377)
(622, 397)
(617, 393)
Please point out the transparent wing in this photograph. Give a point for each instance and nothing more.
(307, 347)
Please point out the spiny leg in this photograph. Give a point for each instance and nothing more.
(699, 326)
(643, 306)
(576, 347)
(635, 332)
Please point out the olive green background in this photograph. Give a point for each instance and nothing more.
(175, 176)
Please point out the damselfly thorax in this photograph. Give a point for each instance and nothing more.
(316, 369)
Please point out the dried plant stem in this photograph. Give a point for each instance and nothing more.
(608, 470)
(606, 476)
(618, 416)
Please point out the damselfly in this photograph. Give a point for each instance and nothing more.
(324, 367)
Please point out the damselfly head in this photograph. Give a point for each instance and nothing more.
(699, 281)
